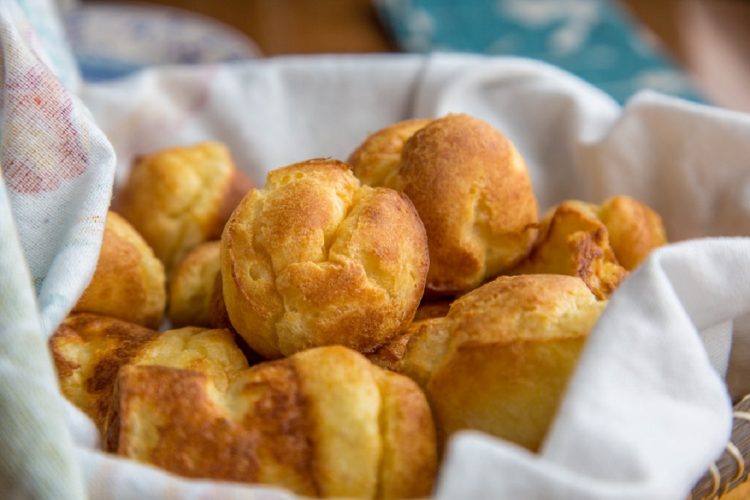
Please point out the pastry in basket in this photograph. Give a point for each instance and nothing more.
(378, 158)
(500, 360)
(191, 286)
(634, 229)
(597, 244)
(314, 258)
(323, 422)
(470, 187)
(89, 350)
(573, 241)
(181, 197)
(129, 281)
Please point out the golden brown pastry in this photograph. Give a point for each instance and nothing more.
(316, 259)
(129, 281)
(470, 187)
(181, 197)
(634, 229)
(390, 355)
(379, 156)
(191, 286)
(89, 350)
(500, 360)
(212, 352)
(323, 422)
(573, 241)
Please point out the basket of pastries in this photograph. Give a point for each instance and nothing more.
(396, 276)
(330, 329)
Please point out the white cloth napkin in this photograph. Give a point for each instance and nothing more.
(646, 411)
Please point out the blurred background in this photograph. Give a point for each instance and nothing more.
(695, 49)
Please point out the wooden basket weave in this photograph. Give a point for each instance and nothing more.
(731, 469)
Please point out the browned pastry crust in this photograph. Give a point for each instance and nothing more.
(323, 422)
(634, 229)
(316, 259)
(180, 197)
(129, 281)
(89, 350)
(379, 156)
(191, 286)
(599, 244)
(391, 354)
(573, 241)
(471, 189)
(500, 359)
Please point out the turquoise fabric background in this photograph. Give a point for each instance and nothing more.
(594, 39)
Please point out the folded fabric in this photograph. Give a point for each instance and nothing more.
(646, 411)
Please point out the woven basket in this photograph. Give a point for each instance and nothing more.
(730, 471)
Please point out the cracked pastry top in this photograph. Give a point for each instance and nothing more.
(315, 258)
(88, 351)
(324, 422)
(599, 244)
(180, 197)
(470, 187)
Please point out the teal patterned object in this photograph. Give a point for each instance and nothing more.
(593, 39)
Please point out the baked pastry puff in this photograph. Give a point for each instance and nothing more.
(128, 282)
(378, 158)
(88, 351)
(323, 422)
(599, 244)
(634, 229)
(470, 187)
(500, 360)
(314, 258)
(180, 197)
(191, 286)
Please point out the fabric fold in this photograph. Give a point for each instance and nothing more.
(646, 411)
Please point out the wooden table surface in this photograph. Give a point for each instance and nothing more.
(299, 26)
(351, 26)
(318, 26)
(696, 33)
